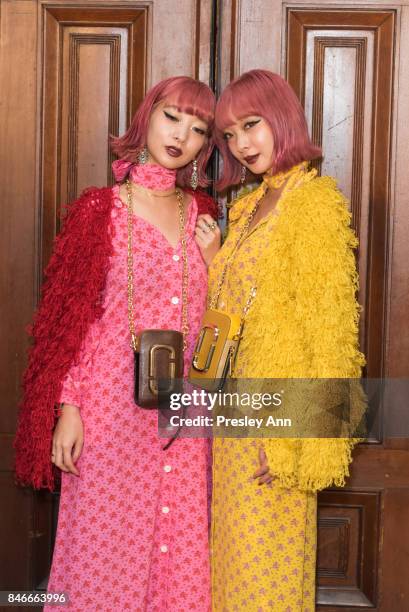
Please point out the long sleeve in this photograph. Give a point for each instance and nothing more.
(305, 325)
(71, 387)
(77, 377)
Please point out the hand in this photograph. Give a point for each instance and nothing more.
(208, 237)
(68, 439)
(263, 472)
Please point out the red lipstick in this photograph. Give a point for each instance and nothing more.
(251, 159)
(173, 151)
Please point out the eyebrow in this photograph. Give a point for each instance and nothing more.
(240, 119)
(179, 111)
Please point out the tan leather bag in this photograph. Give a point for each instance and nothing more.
(216, 350)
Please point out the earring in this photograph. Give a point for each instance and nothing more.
(194, 179)
(243, 175)
(143, 155)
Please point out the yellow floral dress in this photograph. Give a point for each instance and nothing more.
(264, 537)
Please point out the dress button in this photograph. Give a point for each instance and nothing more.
(165, 509)
(176, 258)
(175, 300)
(167, 468)
(163, 548)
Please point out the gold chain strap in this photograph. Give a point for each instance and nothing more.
(185, 269)
(215, 299)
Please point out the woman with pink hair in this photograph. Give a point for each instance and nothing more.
(133, 522)
(287, 268)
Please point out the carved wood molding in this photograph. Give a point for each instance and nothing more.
(342, 525)
(360, 45)
(75, 42)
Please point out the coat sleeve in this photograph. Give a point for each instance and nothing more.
(71, 300)
(317, 335)
(327, 289)
(57, 282)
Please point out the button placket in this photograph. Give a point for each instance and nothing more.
(165, 535)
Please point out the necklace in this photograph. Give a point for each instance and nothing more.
(151, 193)
(244, 231)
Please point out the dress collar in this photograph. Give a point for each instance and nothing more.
(293, 175)
(297, 175)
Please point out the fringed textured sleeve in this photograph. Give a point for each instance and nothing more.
(305, 324)
(327, 284)
(71, 300)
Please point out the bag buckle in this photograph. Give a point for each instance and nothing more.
(153, 378)
(215, 331)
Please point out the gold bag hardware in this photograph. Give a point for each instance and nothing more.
(216, 349)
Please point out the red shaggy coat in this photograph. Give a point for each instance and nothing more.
(71, 300)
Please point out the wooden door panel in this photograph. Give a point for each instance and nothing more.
(347, 553)
(95, 66)
(341, 67)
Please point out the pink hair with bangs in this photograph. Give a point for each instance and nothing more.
(268, 95)
(188, 96)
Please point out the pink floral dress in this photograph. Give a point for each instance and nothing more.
(133, 527)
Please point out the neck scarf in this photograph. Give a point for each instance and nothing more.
(150, 176)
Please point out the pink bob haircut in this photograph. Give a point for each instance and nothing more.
(188, 96)
(268, 95)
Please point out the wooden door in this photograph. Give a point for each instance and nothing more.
(71, 73)
(346, 64)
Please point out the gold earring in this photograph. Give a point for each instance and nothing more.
(243, 175)
(194, 179)
(143, 155)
